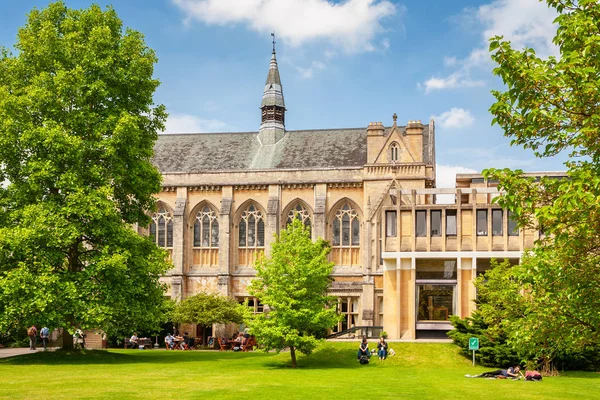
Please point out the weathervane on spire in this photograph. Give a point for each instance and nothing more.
(273, 34)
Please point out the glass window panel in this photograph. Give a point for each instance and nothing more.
(344, 306)
(336, 232)
(345, 230)
(390, 223)
(497, 222)
(482, 223)
(261, 233)
(436, 268)
(450, 222)
(153, 231)
(161, 231)
(513, 229)
(205, 231)
(421, 227)
(436, 223)
(435, 302)
(215, 234)
(242, 233)
(251, 231)
(170, 233)
(197, 233)
(355, 232)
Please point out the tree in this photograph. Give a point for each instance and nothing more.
(77, 130)
(293, 285)
(552, 106)
(208, 309)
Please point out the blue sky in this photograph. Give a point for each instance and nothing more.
(342, 64)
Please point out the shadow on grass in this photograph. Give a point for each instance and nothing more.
(90, 357)
(326, 357)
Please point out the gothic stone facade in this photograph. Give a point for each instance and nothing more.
(401, 260)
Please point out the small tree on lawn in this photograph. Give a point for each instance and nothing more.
(293, 284)
(207, 309)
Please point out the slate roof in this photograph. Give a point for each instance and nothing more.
(305, 149)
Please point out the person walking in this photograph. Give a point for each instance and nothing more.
(32, 333)
(44, 335)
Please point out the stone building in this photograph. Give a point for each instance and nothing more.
(401, 260)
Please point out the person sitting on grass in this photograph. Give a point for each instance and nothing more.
(511, 372)
(382, 348)
(363, 349)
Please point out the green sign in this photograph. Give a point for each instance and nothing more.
(473, 343)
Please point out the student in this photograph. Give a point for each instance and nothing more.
(511, 372)
(363, 349)
(44, 334)
(382, 348)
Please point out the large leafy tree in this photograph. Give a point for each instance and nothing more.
(208, 309)
(293, 285)
(77, 129)
(551, 106)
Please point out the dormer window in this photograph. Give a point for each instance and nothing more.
(394, 152)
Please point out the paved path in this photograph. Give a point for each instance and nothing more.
(12, 352)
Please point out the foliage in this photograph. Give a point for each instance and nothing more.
(551, 106)
(207, 309)
(293, 284)
(499, 302)
(77, 130)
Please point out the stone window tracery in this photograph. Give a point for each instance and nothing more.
(300, 213)
(205, 251)
(394, 152)
(206, 228)
(346, 236)
(161, 228)
(251, 236)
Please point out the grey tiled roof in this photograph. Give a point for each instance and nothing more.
(306, 149)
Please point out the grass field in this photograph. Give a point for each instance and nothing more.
(418, 371)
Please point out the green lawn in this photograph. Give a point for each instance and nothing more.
(418, 371)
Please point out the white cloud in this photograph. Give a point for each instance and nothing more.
(446, 178)
(184, 123)
(526, 23)
(307, 73)
(455, 118)
(350, 24)
(455, 80)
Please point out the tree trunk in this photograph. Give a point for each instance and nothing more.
(293, 354)
(67, 340)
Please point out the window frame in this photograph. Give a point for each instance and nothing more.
(485, 220)
(421, 223)
(391, 227)
(439, 221)
(500, 224)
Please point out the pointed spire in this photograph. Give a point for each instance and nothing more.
(273, 93)
(272, 127)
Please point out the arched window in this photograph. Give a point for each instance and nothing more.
(161, 228)
(251, 236)
(346, 236)
(394, 152)
(206, 228)
(300, 213)
(206, 238)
